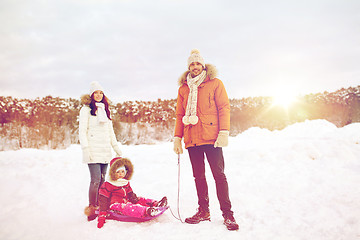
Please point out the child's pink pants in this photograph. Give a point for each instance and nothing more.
(137, 210)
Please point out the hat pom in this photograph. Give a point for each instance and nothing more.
(195, 51)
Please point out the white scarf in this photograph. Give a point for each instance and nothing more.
(119, 183)
(193, 83)
(101, 114)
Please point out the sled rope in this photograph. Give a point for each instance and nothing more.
(178, 195)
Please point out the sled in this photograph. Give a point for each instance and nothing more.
(114, 215)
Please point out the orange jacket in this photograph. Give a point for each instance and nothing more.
(213, 110)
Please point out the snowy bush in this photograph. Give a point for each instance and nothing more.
(52, 122)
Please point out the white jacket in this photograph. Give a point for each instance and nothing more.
(96, 139)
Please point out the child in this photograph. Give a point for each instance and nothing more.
(116, 194)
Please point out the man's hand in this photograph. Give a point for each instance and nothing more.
(222, 139)
(178, 145)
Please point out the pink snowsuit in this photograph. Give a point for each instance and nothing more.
(119, 200)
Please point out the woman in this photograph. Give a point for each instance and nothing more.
(97, 137)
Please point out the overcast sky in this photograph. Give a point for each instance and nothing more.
(137, 49)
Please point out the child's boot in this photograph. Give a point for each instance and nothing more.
(162, 202)
(152, 211)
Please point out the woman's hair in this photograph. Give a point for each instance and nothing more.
(93, 106)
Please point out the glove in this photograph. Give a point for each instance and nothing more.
(86, 154)
(132, 197)
(118, 151)
(101, 219)
(222, 139)
(177, 145)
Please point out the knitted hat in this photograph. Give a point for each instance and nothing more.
(114, 160)
(195, 57)
(122, 168)
(94, 86)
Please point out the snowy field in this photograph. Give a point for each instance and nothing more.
(299, 183)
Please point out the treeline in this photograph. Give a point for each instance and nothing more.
(41, 123)
(341, 107)
(52, 122)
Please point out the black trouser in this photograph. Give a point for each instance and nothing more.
(97, 177)
(216, 161)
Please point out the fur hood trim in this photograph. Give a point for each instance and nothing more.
(85, 99)
(118, 162)
(211, 72)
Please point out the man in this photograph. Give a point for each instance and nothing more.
(203, 119)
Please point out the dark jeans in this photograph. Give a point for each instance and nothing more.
(97, 177)
(216, 161)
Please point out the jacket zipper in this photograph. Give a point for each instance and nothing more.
(209, 100)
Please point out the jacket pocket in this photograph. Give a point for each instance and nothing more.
(187, 138)
(210, 127)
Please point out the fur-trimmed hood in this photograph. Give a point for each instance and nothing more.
(118, 162)
(85, 99)
(211, 72)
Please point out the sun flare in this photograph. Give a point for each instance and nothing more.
(283, 100)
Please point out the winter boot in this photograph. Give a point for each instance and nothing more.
(230, 223)
(162, 202)
(152, 211)
(201, 215)
(90, 212)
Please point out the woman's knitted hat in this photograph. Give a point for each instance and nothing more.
(94, 86)
(196, 57)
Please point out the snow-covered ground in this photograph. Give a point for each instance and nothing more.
(298, 183)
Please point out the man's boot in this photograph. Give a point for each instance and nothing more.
(230, 223)
(201, 215)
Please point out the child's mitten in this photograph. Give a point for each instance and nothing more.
(101, 219)
(132, 197)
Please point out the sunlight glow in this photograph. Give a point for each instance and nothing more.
(284, 100)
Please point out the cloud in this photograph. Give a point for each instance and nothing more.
(139, 48)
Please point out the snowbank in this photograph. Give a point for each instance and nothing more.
(298, 183)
